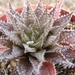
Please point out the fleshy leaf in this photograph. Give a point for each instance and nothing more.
(36, 64)
(39, 55)
(57, 10)
(63, 20)
(11, 35)
(13, 20)
(16, 22)
(55, 48)
(11, 9)
(3, 49)
(5, 41)
(24, 38)
(50, 40)
(11, 53)
(44, 17)
(47, 26)
(58, 58)
(28, 16)
(39, 44)
(64, 43)
(5, 25)
(5, 55)
(47, 69)
(68, 37)
(16, 51)
(57, 29)
(51, 13)
(64, 34)
(69, 54)
(39, 11)
(24, 66)
(28, 49)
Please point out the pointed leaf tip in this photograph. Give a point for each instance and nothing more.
(38, 10)
(58, 9)
(63, 21)
(12, 11)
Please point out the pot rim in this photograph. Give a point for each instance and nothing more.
(19, 9)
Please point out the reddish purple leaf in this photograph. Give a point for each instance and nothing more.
(68, 36)
(70, 39)
(58, 58)
(3, 48)
(64, 43)
(47, 69)
(69, 54)
(52, 55)
(58, 9)
(24, 67)
(63, 21)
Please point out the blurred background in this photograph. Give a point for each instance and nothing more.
(68, 4)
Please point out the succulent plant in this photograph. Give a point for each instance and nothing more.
(38, 39)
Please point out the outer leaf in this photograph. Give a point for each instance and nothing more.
(3, 49)
(68, 37)
(17, 23)
(13, 13)
(16, 51)
(14, 20)
(11, 35)
(8, 54)
(5, 25)
(69, 54)
(57, 29)
(66, 33)
(5, 55)
(59, 58)
(5, 41)
(55, 48)
(24, 67)
(63, 20)
(47, 69)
